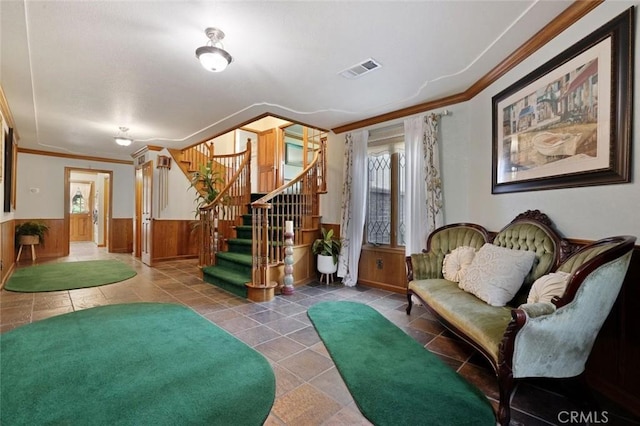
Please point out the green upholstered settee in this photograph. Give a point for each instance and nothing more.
(545, 339)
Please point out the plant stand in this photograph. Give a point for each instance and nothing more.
(28, 240)
(327, 268)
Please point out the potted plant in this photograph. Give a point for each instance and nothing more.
(30, 232)
(327, 249)
(206, 182)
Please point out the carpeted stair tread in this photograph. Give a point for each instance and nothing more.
(239, 258)
(240, 241)
(227, 274)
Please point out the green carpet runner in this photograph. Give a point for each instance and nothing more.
(392, 378)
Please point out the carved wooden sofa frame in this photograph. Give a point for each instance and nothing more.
(583, 263)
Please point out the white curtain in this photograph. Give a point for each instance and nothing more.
(424, 207)
(354, 204)
(82, 189)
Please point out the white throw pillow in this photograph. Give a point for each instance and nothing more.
(548, 286)
(497, 273)
(456, 263)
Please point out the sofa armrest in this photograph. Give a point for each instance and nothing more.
(422, 266)
(534, 310)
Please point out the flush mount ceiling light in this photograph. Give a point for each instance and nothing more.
(213, 57)
(123, 138)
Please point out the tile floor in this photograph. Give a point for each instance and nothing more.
(309, 390)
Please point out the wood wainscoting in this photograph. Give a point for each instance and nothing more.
(173, 239)
(121, 235)
(56, 242)
(7, 235)
(383, 268)
(613, 368)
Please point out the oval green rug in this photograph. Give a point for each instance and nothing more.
(131, 364)
(59, 276)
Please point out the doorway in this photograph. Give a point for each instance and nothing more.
(87, 212)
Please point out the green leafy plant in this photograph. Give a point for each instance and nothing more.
(206, 182)
(327, 245)
(31, 228)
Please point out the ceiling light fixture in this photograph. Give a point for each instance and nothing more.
(213, 57)
(123, 138)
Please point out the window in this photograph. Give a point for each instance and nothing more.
(385, 202)
(80, 197)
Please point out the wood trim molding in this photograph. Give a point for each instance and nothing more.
(564, 20)
(146, 148)
(73, 156)
(6, 113)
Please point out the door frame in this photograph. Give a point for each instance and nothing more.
(67, 201)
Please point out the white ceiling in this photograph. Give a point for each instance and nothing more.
(74, 71)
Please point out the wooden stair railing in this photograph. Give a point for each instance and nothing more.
(298, 201)
(219, 218)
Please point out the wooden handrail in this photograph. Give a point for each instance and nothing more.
(219, 218)
(295, 201)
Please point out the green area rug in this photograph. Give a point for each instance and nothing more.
(392, 378)
(68, 275)
(132, 364)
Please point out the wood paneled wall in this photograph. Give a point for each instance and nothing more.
(173, 239)
(121, 235)
(7, 232)
(613, 368)
(56, 241)
(383, 268)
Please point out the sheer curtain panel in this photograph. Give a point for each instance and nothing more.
(354, 203)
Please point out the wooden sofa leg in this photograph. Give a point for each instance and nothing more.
(409, 303)
(506, 383)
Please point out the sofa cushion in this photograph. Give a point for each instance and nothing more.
(482, 323)
(548, 286)
(497, 273)
(456, 263)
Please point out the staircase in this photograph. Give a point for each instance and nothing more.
(242, 234)
(233, 268)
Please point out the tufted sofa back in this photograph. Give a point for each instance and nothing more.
(532, 236)
(441, 242)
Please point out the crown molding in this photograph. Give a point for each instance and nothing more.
(73, 156)
(564, 20)
(146, 148)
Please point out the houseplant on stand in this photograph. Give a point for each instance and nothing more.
(30, 233)
(327, 250)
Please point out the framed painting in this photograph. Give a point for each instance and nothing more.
(568, 123)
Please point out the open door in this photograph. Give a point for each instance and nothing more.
(81, 210)
(146, 234)
(268, 161)
(79, 214)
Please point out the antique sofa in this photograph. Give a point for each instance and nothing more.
(553, 334)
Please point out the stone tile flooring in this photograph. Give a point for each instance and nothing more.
(309, 389)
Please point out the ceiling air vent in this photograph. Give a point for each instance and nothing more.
(361, 69)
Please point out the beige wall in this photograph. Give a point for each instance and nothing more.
(466, 136)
